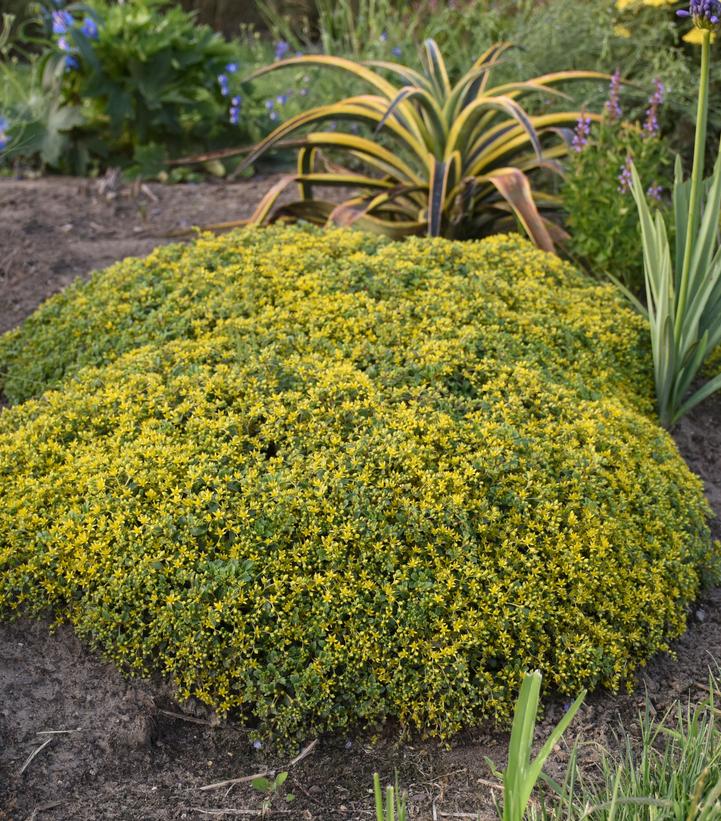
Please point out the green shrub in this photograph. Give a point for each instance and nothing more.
(129, 84)
(602, 216)
(325, 479)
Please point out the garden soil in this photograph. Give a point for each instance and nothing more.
(78, 742)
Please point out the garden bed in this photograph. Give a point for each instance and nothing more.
(133, 757)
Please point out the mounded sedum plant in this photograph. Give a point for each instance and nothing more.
(324, 479)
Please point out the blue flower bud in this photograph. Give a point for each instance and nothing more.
(706, 14)
(90, 28)
(4, 138)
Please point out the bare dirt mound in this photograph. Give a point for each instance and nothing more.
(106, 747)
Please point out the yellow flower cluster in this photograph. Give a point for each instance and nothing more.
(322, 479)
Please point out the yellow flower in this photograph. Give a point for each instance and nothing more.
(622, 5)
(695, 36)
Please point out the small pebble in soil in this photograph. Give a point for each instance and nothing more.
(701, 614)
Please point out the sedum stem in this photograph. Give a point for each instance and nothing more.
(696, 181)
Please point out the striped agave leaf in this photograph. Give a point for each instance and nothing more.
(443, 159)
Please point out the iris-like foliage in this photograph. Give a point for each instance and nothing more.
(394, 808)
(454, 160)
(523, 771)
(684, 294)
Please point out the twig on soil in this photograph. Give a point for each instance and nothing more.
(148, 193)
(232, 811)
(58, 732)
(303, 753)
(233, 781)
(473, 815)
(195, 229)
(182, 717)
(494, 785)
(50, 805)
(229, 152)
(34, 753)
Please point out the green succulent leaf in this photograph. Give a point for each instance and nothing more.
(453, 159)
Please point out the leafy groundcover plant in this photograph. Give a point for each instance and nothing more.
(456, 161)
(324, 479)
(125, 84)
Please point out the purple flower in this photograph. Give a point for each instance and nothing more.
(396, 51)
(269, 104)
(581, 133)
(654, 192)
(235, 106)
(223, 83)
(303, 92)
(90, 28)
(62, 21)
(281, 49)
(624, 177)
(651, 127)
(4, 138)
(231, 68)
(281, 99)
(706, 14)
(273, 116)
(613, 105)
(384, 36)
(71, 62)
(63, 44)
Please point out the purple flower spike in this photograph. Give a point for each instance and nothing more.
(624, 177)
(281, 49)
(613, 104)
(651, 127)
(582, 133)
(654, 192)
(223, 83)
(71, 63)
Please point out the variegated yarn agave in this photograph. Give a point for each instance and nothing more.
(455, 159)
